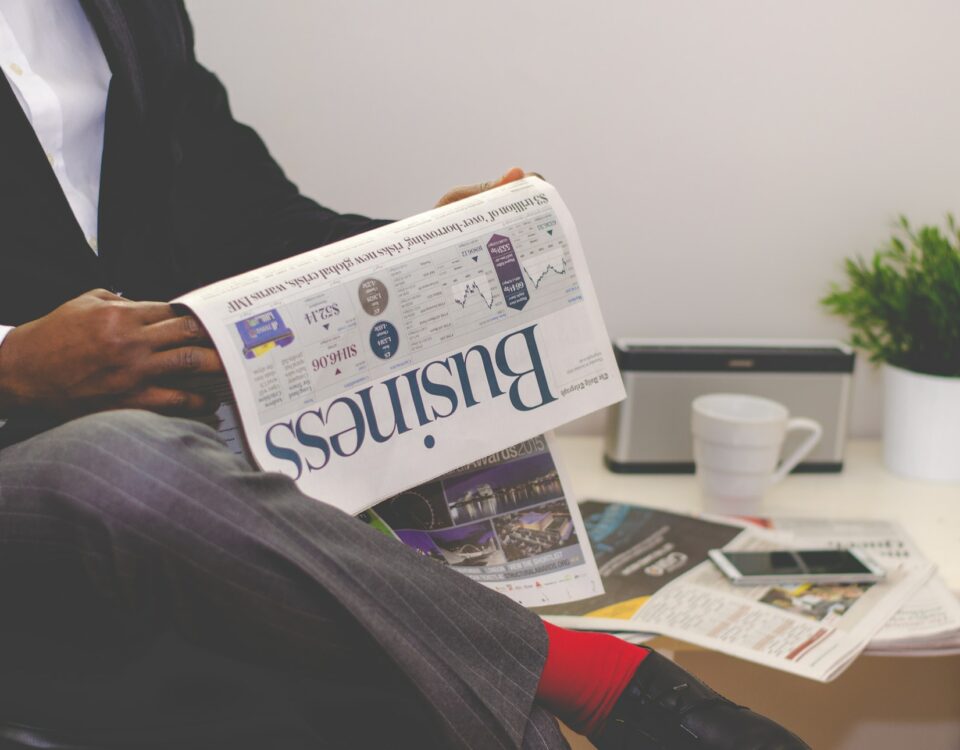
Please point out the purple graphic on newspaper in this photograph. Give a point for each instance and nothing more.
(508, 271)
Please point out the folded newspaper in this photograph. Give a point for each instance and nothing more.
(657, 579)
(379, 362)
(418, 365)
(928, 623)
(505, 521)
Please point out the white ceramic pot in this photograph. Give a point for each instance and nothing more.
(921, 424)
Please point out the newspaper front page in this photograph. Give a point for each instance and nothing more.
(506, 521)
(377, 363)
(814, 631)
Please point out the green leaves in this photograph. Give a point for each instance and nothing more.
(903, 305)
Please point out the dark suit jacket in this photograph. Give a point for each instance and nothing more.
(188, 195)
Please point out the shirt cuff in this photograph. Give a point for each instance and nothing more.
(4, 330)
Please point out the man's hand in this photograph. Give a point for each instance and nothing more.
(100, 351)
(466, 191)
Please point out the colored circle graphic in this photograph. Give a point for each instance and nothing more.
(384, 339)
(373, 296)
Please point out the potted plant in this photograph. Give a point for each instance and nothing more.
(903, 308)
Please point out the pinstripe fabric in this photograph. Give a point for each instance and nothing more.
(163, 523)
(543, 732)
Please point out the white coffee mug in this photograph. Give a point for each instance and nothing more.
(737, 441)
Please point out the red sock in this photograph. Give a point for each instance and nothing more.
(584, 675)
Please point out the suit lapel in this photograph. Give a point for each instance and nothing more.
(110, 24)
(120, 176)
(38, 219)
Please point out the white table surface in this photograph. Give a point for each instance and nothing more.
(929, 511)
(879, 703)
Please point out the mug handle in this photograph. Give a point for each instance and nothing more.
(798, 423)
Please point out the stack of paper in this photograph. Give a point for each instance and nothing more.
(658, 579)
(929, 622)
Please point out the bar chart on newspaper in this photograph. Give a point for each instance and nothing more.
(447, 335)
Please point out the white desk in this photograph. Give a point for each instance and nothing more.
(880, 702)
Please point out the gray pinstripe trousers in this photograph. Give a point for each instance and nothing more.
(123, 532)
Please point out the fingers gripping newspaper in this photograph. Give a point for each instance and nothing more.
(378, 363)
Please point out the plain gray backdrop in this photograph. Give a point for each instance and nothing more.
(720, 158)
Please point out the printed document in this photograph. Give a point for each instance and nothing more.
(506, 521)
(654, 569)
(375, 364)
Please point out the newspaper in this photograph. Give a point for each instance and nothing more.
(927, 625)
(814, 631)
(638, 551)
(505, 521)
(377, 363)
(929, 622)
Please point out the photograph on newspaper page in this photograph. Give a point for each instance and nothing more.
(638, 551)
(506, 521)
(379, 362)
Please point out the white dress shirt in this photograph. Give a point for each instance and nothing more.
(53, 60)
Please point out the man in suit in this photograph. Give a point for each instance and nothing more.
(156, 592)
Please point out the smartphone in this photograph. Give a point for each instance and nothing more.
(797, 566)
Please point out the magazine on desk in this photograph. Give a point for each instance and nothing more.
(443, 345)
(657, 579)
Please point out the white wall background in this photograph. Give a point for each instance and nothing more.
(721, 158)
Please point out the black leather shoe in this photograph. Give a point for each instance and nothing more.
(666, 708)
